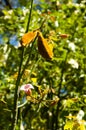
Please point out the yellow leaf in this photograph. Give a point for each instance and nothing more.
(68, 125)
(44, 49)
(14, 76)
(51, 46)
(82, 127)
(34, 80)
(27, 38)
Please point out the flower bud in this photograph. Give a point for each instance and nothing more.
(27, 89)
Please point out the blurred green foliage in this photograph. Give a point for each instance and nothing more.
(60, 84)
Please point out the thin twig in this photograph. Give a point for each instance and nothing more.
(28, 23)
(22, 105)
(15, 108)
(28, 59)
(60, 86)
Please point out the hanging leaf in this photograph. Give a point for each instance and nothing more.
(44, 49)
(27, 38)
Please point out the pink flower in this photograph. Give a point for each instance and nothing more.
(27, 88)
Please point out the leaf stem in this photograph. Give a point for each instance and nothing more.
(22, 105)
(16, 95)
(60, 86)
(28, 23)
(15, 110)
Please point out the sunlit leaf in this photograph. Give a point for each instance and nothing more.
(27, 38)
(68, 125)
(43, 47)
(34, 80)
(82, 127)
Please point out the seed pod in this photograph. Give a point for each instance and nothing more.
(43, 47)
(27, 38)
(64, 36)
